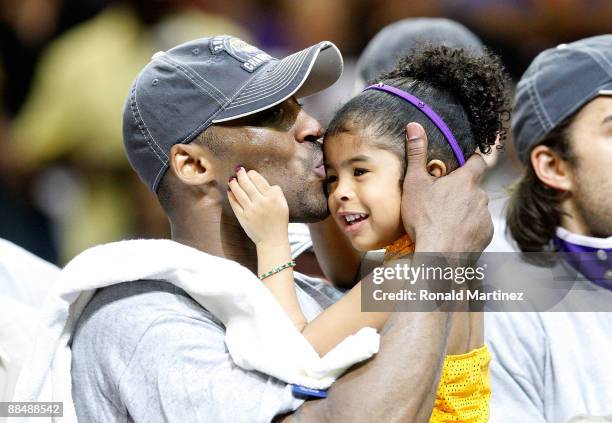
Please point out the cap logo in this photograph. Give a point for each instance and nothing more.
(251, 57)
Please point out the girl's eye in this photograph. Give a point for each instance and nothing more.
(331, 179)
(359, 172)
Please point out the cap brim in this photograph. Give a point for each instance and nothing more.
(300, 74)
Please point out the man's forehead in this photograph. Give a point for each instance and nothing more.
(597, 109)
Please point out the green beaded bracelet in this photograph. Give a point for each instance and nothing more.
(276, 270)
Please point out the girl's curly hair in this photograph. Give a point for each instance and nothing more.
(468, 90)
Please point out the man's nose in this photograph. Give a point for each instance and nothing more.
(308, 128)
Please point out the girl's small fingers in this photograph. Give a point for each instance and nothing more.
(234, 203)
(246, 184)
(241, 197)
(260, 182)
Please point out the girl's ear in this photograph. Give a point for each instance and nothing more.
(436, 168)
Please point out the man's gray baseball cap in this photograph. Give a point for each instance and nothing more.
(184, 90)
(558, 83)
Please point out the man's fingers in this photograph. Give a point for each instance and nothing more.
(476, 166)
(416, 151)
(247, 185)
(238, 192)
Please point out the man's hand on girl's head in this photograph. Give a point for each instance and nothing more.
(446, 214)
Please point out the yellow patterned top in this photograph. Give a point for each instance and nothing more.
(464, 392)
(402, 246)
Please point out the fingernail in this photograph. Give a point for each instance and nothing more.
(413, 131)
(231, 179)
(238, 168)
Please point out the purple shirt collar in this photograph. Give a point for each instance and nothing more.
(590, 256)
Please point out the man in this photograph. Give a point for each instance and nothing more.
(146, 351)
(550, 367)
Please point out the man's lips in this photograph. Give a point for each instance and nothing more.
(319, 166)
(320, 171)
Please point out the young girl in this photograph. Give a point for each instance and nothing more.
(460, 100)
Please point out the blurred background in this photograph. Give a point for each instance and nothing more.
(66, 65)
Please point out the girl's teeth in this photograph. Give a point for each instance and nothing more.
(353, 217)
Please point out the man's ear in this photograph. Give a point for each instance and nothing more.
(551, 169)
(192, 164)
(436, 168)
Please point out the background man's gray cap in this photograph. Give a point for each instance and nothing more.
(184, 90)
(397, 39)
(558, 82)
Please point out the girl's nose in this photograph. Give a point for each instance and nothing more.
(343, 192)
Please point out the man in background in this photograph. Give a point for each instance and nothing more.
(550, 367)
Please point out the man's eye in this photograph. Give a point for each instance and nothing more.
(273, 115)
(359, 172)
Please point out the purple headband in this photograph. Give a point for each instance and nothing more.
(428, 111)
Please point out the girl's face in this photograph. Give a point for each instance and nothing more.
(364, 193)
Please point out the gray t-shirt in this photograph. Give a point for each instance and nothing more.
(548, 367)
(145, 351)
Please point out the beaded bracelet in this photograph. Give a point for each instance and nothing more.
(276, 270)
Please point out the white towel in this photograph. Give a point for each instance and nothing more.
(259, 335)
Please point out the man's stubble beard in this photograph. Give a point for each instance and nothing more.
(593, 200)
(306, 196)
(308, 204)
